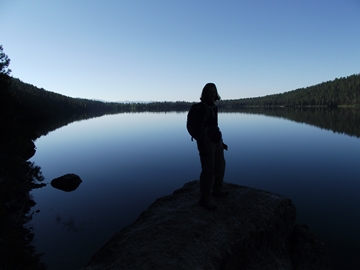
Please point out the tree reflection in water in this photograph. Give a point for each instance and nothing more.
(69, 224)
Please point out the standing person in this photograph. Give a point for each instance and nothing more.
(210, 146)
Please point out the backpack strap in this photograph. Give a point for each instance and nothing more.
(207, 114)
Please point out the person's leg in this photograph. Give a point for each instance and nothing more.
(207, 159)
(219, 171)
(207, 174)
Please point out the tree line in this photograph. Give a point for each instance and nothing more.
(42, 111)
(339, 92)
(17, 177)
(42, 103)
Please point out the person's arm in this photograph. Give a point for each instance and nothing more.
(223, 144)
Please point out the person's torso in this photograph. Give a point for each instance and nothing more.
(212, 119)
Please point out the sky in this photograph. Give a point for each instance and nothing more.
(167, 50)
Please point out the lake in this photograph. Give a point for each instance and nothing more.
(127, 161)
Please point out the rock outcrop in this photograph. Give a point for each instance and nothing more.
(250, 229)
(28, 149)
(68, 182)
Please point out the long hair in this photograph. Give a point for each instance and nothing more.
(206, 88)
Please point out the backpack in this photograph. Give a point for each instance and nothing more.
(195, 125)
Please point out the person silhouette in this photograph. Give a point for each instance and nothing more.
(211, 148)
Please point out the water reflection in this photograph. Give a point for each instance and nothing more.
(16, 179)
(137, 158)
(69, 224)
(339, 120)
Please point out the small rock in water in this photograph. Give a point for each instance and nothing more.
(68, 182)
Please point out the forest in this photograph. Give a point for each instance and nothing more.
(340, 92)
(40, 103)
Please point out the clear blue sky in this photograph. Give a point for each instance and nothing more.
(167, 50)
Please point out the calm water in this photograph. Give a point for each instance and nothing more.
(126, 161)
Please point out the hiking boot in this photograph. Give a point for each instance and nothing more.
(207, 204)
(221, 193)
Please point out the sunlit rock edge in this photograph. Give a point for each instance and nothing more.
(250, 229)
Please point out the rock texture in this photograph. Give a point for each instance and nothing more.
(250, 229)
(68, 182)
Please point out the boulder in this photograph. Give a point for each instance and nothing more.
(68, 182)
(250, 229)
(28, 149)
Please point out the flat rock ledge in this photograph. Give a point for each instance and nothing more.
(250, 229)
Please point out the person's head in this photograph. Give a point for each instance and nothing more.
(209, 93)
